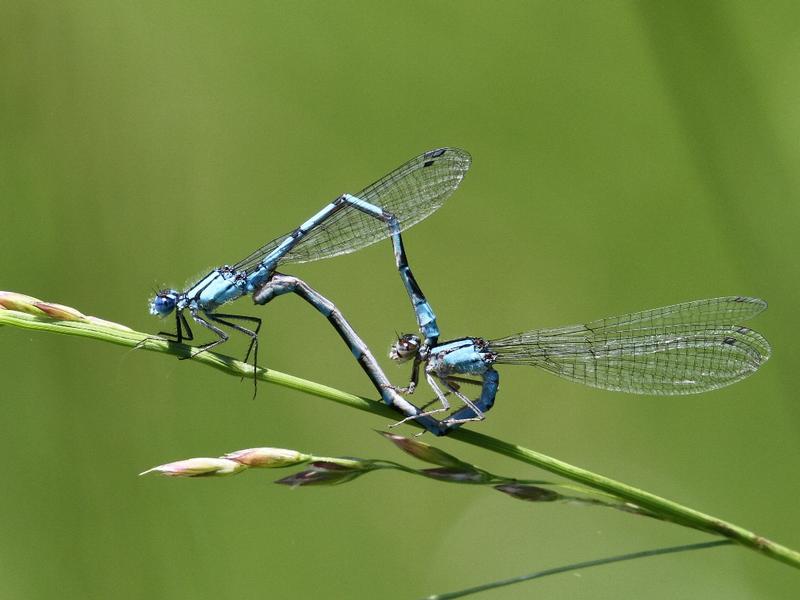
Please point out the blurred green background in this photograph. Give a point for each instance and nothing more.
(626, 156)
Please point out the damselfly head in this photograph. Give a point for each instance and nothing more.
(405, 348)
(163, 303)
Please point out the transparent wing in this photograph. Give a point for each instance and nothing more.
(680, 349)
(411, 192)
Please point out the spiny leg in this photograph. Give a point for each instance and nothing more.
(440, 395)
(477, 414)
(491, 383)
(180, 324)
(433, 400)
(451, 383)
(412, 385)
(254, 340)
(223, 337)
(178, 337)
(253, 334)
(455, 381)
(467, 380)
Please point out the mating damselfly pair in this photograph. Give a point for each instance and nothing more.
(684, 348)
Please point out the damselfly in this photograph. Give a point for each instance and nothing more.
(685, 348)
(384, 209)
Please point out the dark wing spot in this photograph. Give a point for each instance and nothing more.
(729, 341)
(427, 164)
(435, 153)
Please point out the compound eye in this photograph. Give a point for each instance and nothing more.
(405, 347)
(409, 342)
(163, 303)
